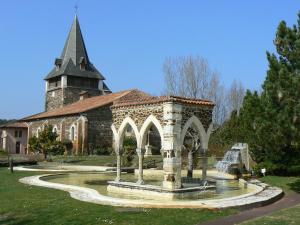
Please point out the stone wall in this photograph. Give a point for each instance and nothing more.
(63, 125)
(137, 113)
(204, 113)
(65, 96)
(54, 99)
(99, 127)
(72, 94)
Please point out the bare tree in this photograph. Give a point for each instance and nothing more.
(192, 77)
(236, 95)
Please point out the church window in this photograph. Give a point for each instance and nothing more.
(54, 129)
(72, 133)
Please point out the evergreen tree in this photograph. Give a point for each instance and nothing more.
(271, 122)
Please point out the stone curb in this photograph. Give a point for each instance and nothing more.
(263, 195)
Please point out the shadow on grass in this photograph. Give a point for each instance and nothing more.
(10, 219)
(295, 186)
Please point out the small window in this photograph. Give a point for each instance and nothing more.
(20, 133)
(53, 94)
(16, 133)
(72, 133)
(55, 130)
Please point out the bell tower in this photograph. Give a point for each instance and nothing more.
(73, 73)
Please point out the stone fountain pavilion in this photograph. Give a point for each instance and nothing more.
(172, 116)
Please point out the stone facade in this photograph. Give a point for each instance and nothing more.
(97, 132)
(204, 113)
(59, 97)
(99, 127)
(138, 113)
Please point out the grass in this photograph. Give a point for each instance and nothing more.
(290, 185)
(23, 204)
(283, 217)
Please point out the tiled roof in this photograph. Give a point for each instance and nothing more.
(81, 106)
(14, 125)
(153, 100)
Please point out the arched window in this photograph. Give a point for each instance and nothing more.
(72, 133)
(54, 130)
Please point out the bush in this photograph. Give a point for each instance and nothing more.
(271, 168)
(3, 152)
(103, 151)
(129, 148)
(294, 170)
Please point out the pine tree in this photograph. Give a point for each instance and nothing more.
(274, 136)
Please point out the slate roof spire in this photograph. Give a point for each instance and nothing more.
(74, 59)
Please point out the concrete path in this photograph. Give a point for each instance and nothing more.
(285, 202)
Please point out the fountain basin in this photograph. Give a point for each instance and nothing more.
(258, 193)
(157, 192)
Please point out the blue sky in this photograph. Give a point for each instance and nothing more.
(128, 42)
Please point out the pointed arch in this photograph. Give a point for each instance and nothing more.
(116, 142)
(194, 121)
(151, 120)
(128, 121)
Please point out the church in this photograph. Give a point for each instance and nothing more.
(82, 109)
(77, 100)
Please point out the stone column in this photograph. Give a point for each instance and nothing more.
(190, 164)
(78, 136)
(29, 135)
(204, 163)
(84, 142)
(140, 153)
(119, 155)
(171, 146)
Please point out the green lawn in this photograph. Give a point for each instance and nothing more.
(286, 216)
(288, 184)
(282, 217)
(21, 204)
(102, 160)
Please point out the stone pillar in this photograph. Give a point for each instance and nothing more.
(29, 135)
(140, 153)
(84, 143)
(204, 163)
(171, 146)
(119, 155)
(62, 130)
(78, 136)
(190, 164)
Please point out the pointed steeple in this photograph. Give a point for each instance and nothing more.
(74, 47)
(74, 60)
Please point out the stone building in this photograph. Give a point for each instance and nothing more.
(77, 101)
(73, 74)
(87, 122)
(13, 138)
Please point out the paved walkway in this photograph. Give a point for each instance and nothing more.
(285, 202)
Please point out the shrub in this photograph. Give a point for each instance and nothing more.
(129, 148)
(294, 170)
(103, 151)
(3, 152)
